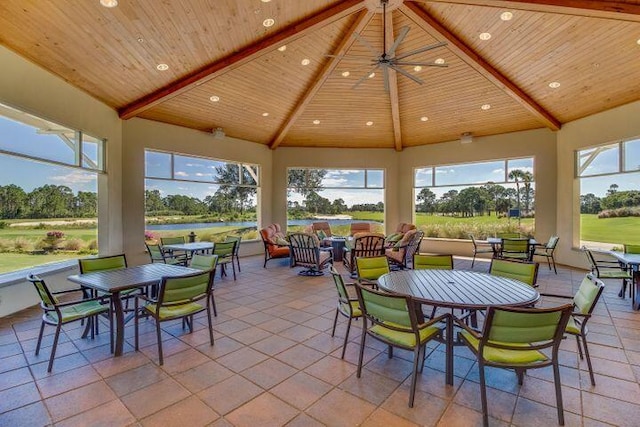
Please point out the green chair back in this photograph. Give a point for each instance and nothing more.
(523, 271)
(204, 262)
(588, 294)
(47, 298)
(184, 289)
(224, 250)
(177, 240)
(390, 310)
(237, 240)
(508, 235)
(515, 245)
(525, 326)
(552, 243)
(155, 252)
(88, 265)
(342, 290)
(372, 268)
(430, 262)
(632, 249)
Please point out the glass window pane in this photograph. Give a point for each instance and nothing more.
(632, 155)
(250, 175)
(375, 178)
(598, 160)
(470, 173)
(92, 152)
(525, 165)
(424, 177)
(336, 178)
(157, 165)
(205, 170)
(26, 134)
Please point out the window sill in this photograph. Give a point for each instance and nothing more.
(18, 276)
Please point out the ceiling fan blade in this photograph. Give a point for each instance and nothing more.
(366, 44)
(385, 76)
(366, 76)
(422, 49)
(422, 64)
(404, 73)
(403, 33)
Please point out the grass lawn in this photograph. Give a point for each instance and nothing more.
(14, 261)
(610, 230)
(422, 219)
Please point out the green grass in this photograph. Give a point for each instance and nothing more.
(610, 230)
(367, 216)
(424, 219)
(16, 261)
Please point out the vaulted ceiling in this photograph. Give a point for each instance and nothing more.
(545, 63)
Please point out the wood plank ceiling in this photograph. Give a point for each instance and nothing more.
(266, 95)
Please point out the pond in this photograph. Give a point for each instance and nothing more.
(241, 224)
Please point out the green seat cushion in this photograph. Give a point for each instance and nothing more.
(78, 311)
(355, 309)
(406, 339)
(614, 274)
(572, 326)
(500, 355)
(173, 311)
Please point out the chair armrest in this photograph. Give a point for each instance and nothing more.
(68, 291)
(434, 320)
(79, 301)
(467, 328)
(556, 296)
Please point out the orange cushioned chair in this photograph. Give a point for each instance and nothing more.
(275, 244)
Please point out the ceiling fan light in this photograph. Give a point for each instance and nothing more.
(162, 67)
(265, 114)
(554, 85)
(369, 123)
(638, 41)
(214, 98)
(316, 122)
(305, 61)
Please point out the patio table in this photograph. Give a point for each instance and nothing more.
(116, 281)
(495, 243)
(190, 248)
(458, 289)
(632, 261)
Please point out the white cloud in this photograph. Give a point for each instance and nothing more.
(334, 182)
(75, 177)
(180, 173)
(498, 171)
(194, 165)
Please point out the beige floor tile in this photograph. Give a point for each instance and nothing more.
(301, 390)
(79, 400)
(191, 412)
(229, 394)
(113, 413)
(269, 373)
(265, 410)
(154, 397)
(339, 408)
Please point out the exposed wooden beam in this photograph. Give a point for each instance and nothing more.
(361, 21)
(464, 52)
(596, 9)
(393, 88)
(243, 56)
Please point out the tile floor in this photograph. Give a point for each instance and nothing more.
(274, 362)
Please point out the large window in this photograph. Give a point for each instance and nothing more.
(609, 177)
(339, 196)
(48, 190)
(482, 198)
(211, 198)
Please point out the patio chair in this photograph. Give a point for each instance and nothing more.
(359, 227)
(323, 231)
(480, 248)
(364, 246)
(512, 339)
(207, 263)
(392, 319)
(305, 252)
(236, 250)
(157, 254)
(57, 313)
(526, 272)
(401, 255)
(547, 251)
(275, 244)
(177, 299)
(432, 261)
(606, 269)
(631, 249)
(519, 249)
(508, 235)
(395, 237)
(584, 302)
(175, 240)
(224, 251)
(370, 269)
(348, 306)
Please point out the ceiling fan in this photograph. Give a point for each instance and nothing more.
(388, 59)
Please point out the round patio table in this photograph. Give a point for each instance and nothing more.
(458, 289)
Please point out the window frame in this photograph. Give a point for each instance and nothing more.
(620, 143)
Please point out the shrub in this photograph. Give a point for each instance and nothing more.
(73, 245)
(21, 244)
(5, 245)
(148, 235)
(4, 224)
(620, 212)
(92, 245)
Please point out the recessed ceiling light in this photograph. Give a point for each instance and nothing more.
(638, 41)
(162, 67)
(316, 122)
(484, 36)
(265, 114)
(372, 75)
(282, 48)
(424, 118)
(214, 98)
(506, 16)
(268, 22)
(109, 3)
(554, 85)
(266, 1)
(305, 61)
(140, 40)
(369, 123)
(485, 106)
(439, 61)
(345, 74)
(417, 68)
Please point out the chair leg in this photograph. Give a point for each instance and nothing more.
(346, 337)
(554, 264)
(556, 381)
(414, 375)
(213, 304)
(53, 348)
(390, 352)
(623, 290)
(473, 260)
(233, 267)
(40, 338)
(135, 327)
(210, 325)
(238, 262)
(335, 322)
(586, 354)
(520, 375)
(361, 355)
(579, 347)
(159, 342)
(483, 395)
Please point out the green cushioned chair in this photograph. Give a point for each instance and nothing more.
(236, 249)
(584, 302)
(609, 269)
(519, 249)
(632, 249)
(432, 261)
(370, 269)
(57, 313)
(157, 254)
(548, 250)
(178, 298)
(348, 306)
(526, 272)
(480, 248)
(206, 263)
(225, 251)
(513, 338)
(175, 240)
(393, 320)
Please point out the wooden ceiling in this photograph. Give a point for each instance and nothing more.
(221, 48)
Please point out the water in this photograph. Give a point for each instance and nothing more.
(242, 224)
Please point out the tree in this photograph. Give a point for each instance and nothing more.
(427, 201)
(306, 181)
(86, 204)
(153, 201)
(234, 195)
(12, 202)
(518, 175)
(494, 193)
(590, 204)
(448, 203)
(621, 199)
(51, 201)
(471, 200)
(315, 203)
(613, 189)
(338, 206)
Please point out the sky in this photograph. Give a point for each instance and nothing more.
(30, 174)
